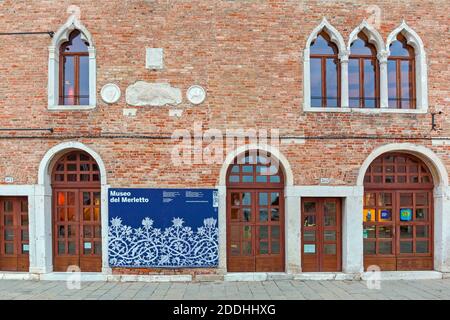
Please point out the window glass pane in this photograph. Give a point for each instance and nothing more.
(246, 198)
(247, 179)
(422, 231)
(406, 85)
(247, 169)
(8, 206)
(247, 232)
(69, 80)
(310, 207)
(246, 248)
(263, 232)
(385, 247)
(422, 214)
(275, 198)
(246, 214)
(406, 199)
(263, 215)
(310, 221)
(406, 246)
(261, 179)
(275, 214)
(332, 82)
(385, 232)
(406, 232)
(392, 83)
(321, 46)
(353, 82)
(316, 82)
(329, 235)
(360, 47)
(369, 247)
(369, 83)
(399, 49)
(275, 179)
(233, 179)
(263, 199)
(263, 247)
(329, 248)
(275, 232)
(9, 235)
(369, 232)
(275, 247)
(9, 248)
(421, 246)
(309, 235)
(235, 250)
(76, 44)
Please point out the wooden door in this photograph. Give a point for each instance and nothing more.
(398, 214)
(14, 237)
(76, 213)
(255, 230)
(321, 235)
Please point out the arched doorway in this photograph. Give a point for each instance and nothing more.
(398, 213)
(76, 217)
(255, 214)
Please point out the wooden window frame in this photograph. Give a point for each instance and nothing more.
(398, 75)
(361, 59)
(76, 59)
(323, 62)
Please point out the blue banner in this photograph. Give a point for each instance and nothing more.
(163, 228)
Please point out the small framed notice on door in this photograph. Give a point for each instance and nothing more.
(309, 248)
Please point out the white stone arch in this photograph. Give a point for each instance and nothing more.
(285, 166)
(338, 40)
(43, 213)
(370, 32)
(441, 195)
(61, 36)
(434, 163)
(414, 40)
(288, 181)
(53, 155)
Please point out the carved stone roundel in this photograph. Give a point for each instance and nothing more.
(196, 94)
(110, 93)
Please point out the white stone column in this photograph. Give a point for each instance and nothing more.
(442, 229)
(306, 79)
(53, 76)
(292, 231)
(352, 233)
(92, 77)
(105, 223)
(222, 191)
(343, 57)
(382, 60)
(43, 261)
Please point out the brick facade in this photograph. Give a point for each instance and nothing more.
(248, 55)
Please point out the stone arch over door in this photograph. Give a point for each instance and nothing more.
(43, 217)
(441, 195)
(292, 226)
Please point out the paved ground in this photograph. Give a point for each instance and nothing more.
(283, 289)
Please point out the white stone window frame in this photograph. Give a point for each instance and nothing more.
(60, 37)
(382, 55)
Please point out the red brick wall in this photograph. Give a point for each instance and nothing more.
(247, 54)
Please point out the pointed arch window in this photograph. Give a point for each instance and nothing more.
(74, 71)
(324, 72)
(363, 74)
(72, 68)
(401, 75)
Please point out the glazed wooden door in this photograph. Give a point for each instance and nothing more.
(398, 214)
(14, 237)
(255, 230)
(76, 213)
(77, 229)
(321, 234)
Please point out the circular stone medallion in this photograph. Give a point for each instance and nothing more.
(196, 94)
(110, 93)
